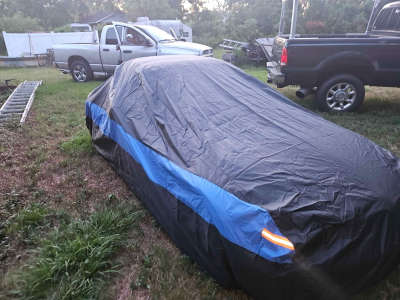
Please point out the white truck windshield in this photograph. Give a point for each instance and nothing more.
(157, 34)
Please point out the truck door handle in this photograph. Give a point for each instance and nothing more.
(106, 49)
(127, 51)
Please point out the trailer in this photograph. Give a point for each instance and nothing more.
(175, 27)
(254, 52)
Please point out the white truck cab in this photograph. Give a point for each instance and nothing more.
(120, 42)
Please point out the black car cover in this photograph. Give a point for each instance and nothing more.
(263, 194)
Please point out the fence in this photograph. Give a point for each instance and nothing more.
(29, 44)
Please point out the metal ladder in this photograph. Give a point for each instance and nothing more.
(231, 44)
(18, 104)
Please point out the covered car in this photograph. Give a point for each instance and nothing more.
(263, 194)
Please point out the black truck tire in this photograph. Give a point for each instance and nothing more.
(340, 93)
(81, 71)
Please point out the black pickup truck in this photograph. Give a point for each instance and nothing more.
(339, 66)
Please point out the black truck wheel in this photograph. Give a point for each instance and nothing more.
(340, 93)
(81, 71)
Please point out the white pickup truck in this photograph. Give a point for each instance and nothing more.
(120, 42)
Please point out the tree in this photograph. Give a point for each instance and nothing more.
(19, 23)
(223, 9)
(208, 27)
(196, 7)
(237, 19)
(315, 27)
(268, 13)
(16, 23)
(56, 13)
(248, 31)
(178, 6)
(82, 8)
(7, 8)
(154, 9)
(50, 13)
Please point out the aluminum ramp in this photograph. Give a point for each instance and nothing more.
(17, 106)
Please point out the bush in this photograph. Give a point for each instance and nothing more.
(241, 58)
(208, 39)
(65, 28)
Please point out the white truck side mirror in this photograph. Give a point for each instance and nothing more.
(149, 43)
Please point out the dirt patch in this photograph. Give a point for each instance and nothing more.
(5, 92)
(124, 286)
(4, 88)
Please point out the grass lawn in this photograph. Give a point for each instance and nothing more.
(218, 52)
(69, 227)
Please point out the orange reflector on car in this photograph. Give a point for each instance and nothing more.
(277, 240)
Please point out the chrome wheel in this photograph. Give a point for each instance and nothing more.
(340, 93)
(80, 73)
(341, 96)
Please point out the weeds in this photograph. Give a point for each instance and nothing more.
(30, 217)
(28, 222)
(76, 259)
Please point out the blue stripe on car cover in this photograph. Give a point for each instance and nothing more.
(240, 222)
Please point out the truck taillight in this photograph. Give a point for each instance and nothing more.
(284, 57)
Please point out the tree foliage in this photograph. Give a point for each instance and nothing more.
(211, 20)
(19, 23)
(16, 23)
(50, 13)
(154, 9)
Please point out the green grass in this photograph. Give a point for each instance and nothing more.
(218, 52)
(155, 274)
(75, 260)
(82, 141)
(30, 217)
(30, 225)
(29, 221)
(53, 180)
